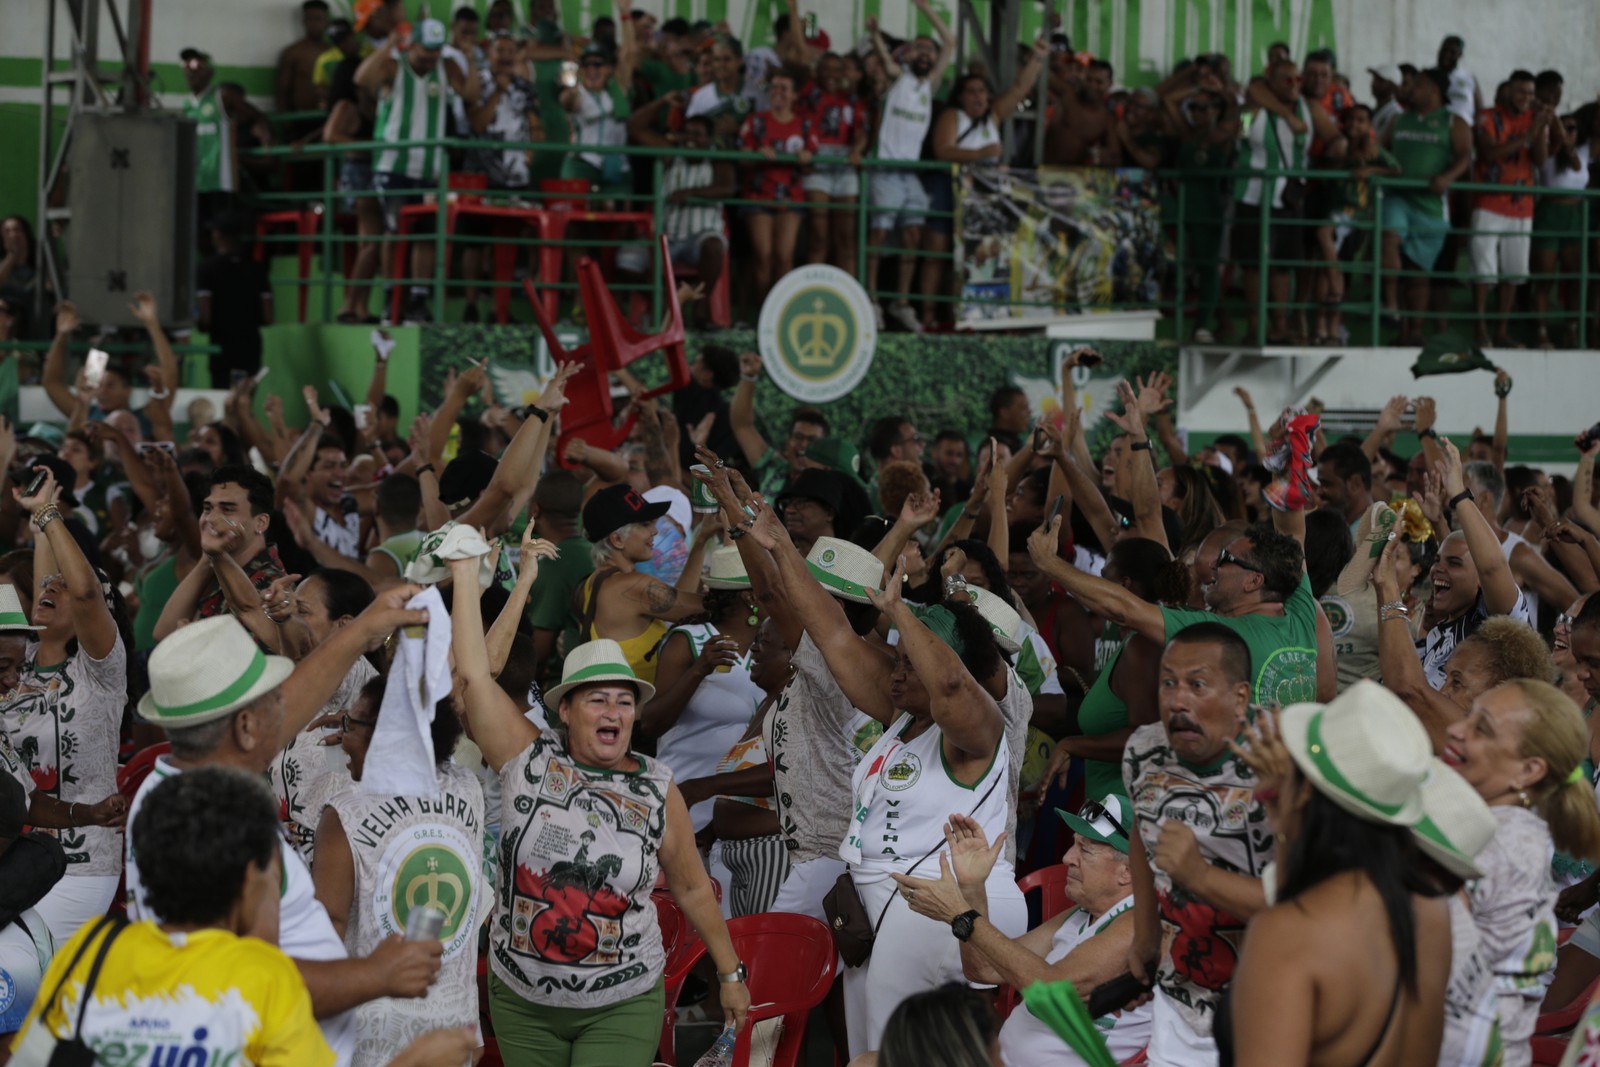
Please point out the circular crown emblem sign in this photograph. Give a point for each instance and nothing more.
(827, 557)
(817, 333)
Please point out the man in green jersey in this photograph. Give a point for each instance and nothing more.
(1429, 142)
(216, 164)
(416, 91)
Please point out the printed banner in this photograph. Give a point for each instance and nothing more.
(1040, 245)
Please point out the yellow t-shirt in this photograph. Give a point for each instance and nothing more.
(159, 995)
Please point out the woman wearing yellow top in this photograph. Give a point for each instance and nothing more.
(194, 987)
(620, 603)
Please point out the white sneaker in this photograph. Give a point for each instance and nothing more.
(901, 312)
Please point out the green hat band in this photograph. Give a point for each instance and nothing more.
(1319, 758)
(612, 669)
(252, 674)
(12, 618)
(836, 583)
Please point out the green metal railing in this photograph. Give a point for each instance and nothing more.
(1187, 225)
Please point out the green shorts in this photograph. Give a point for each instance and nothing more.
(624, 1034)
(1557, 225)
(1422, 230)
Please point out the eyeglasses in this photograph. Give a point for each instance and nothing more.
(1225, 557)
(347, 721)
(1100, 820)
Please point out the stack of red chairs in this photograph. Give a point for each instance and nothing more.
(613, 344)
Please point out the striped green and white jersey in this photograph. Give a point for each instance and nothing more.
(414, 109)
(213, 142)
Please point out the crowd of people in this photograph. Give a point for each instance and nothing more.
(1313, 715)
(839, 121)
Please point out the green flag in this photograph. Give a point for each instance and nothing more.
(1449, 353)
(1058, 1006)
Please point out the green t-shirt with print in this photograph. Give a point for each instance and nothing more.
(1283, 648)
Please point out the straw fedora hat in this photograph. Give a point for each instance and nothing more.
(207, 670)
(1001, 617)
(1377, 526)
(12, 617)
(1456, 824)
(844, 569)
(727, 570)
(1365, 751)
(600, 660)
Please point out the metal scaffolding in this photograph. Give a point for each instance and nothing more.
(85, 83)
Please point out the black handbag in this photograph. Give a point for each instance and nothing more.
(853, 933)
(74, 1051)
(29, 869)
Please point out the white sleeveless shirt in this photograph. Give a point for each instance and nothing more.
(904, 794)
(1025, 1041)
(574, 925)
(715, 718)
(1508, 546)
(408, 852)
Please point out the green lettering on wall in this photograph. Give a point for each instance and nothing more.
(1270, 21)
(1319, 28)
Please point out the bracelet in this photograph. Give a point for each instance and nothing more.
(969, 513)
(736, 532)
(72, 818)
(535, 409)
(1429, 432)
(749, 377)
(1457, 499)
(45, 516)
(1395, 609)
(1140, 446)
(159, 394)
(424, 469)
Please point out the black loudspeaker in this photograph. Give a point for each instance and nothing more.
(132, 197)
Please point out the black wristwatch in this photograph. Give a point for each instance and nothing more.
(1429, 432)
(1459, 499)
(962, 925)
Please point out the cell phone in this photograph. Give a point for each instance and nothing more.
(1088, 357)
(1588, 437)
(1055, 508)
(94, 368)
(36, 483)
(810, 23)
(1038, 439)
(1114, 995)
(568, 79)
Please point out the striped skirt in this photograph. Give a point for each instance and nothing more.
(758, 866)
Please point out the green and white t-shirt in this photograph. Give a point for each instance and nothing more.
(213, 142)
(413, 109)
(1283, 648)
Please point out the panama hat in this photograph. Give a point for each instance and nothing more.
(206, 670)
(844, 569)
(1001, 617)
(727, 570)
(1365, 751)
(12, 617)
(1108, 820)
(1456, 824)
(600, 660)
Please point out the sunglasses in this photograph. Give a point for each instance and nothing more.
(593, 64)
(1225, 557)
(347, 721)
(1100, 820)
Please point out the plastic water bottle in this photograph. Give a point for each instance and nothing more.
(720, 1054)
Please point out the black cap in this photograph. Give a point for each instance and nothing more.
(65, 476)
(466, 477)
(338, 30)
(194, 53)
(617, 506)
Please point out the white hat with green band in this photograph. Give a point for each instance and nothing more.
(1001, 617)
(1456, 824)
(1365, 751)
(12, 617)
(206, 670)
(600, 660)
(726, 570)
(845, 569)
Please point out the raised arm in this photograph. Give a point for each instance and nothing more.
(860, 669)
(963, 708)
(503, 632)
(890, 67)
(57, 552)
(1096, 594)
(742, 411)
(1141, 481)
(498, 728)
(919, 510)
(1398, 662)
(456, 396)
(1502, 393)
(947, 42)
(54, 373)
(627, 46)
(185, 599)
(1085, 489)
(1027, 79)
(1389, 422)
(144, 309)
(1494, 573)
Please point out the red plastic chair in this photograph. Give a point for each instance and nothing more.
(683, 948)
(303, 224)
(719, 301)
(1134, 1061)
(791, 960)
(609, 328)
(1563, 1019)
(1549, 1051)
(130, 776)
(577, 193)
(1051, 882)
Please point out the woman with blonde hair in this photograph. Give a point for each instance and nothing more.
(1522, 749)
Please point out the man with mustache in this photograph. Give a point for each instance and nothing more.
(1202, 840)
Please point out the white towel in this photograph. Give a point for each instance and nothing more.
(400, 761)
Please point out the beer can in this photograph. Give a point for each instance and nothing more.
(424, 924)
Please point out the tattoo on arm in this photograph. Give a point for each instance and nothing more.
(660, 596)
